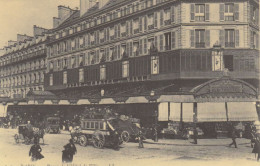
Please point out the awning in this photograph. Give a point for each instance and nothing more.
(187, 112)
(242, 111)
(163, 112)
(175, 112)
(211, 112)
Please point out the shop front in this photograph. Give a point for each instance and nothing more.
(213, 107)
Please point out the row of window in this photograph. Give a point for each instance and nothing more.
(121, 12)
(22, 80)
(19, 57)
(128, 28)
(144, 46)
(207, 62)
(25, 67)
(22, 92)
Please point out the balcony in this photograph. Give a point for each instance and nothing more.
(229, 44)
(167, 22)
(150, 27)
(136, 31)
(167, 47)
(200, 45)
(136, 53)
(112, 37)
(123, 34)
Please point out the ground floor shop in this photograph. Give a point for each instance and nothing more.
(211, 106)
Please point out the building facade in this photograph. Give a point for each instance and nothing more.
(172, 61)
(23, 64)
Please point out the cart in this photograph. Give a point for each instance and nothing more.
(27, 134)
(97, 132)
(53, 125)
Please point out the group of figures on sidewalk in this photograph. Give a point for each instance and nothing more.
(67, 154)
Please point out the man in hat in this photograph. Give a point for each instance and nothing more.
(35, 151)
(68, 152)
(233, 136)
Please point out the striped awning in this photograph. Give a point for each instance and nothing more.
(187, 112)
(175, 112)
(242, 111)
(211, 112)
(163, 112)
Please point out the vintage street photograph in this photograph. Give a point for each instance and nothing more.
(129, 83)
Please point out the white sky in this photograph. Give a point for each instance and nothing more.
(19, 16)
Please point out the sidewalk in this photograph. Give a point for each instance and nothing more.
(201, 142)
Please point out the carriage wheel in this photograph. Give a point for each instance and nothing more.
(16, 138)
(82, 140)
(125, 136)
(98, 139)
(27, 141)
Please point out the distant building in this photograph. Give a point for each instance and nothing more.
(23, 64)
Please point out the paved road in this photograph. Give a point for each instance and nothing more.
(167, 152)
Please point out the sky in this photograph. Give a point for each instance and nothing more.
(19, 16)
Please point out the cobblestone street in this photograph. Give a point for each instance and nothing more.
(165, 152)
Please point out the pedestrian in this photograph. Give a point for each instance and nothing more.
(68, 152)
(233, 136)
(35, 151)
(195, 135)
(116, 140)
(256, 149)
(155, 134)
(140, 138)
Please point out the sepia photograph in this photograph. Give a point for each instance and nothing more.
(129, 83)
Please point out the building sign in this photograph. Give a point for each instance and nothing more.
(125, 69)
(217, 60)
(102, 72)
(155, 65)
(225, 87)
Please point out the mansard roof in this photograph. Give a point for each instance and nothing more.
(75, 17)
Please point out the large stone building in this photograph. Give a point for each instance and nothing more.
(183, 60)
(23, 64)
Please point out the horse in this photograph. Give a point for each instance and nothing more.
(37, 132)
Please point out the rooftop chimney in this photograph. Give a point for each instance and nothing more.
(21, 38)
(84, 6)
(10, 42)
(37, 31)
(56, 22)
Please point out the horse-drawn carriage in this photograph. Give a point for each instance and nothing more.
(53, 125)
(100, 131)
(27, 133)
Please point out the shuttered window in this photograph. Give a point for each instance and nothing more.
(192, 12)
(161, 42)
(141, 46)
(155, 19)
(173, 14)
(192, 38)
(161, 18)
(237, 38)
(173, 39)
(145, 23)
(221, 38)
(207, 12)
(140, 24)
(221, 12)
(207, 38)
